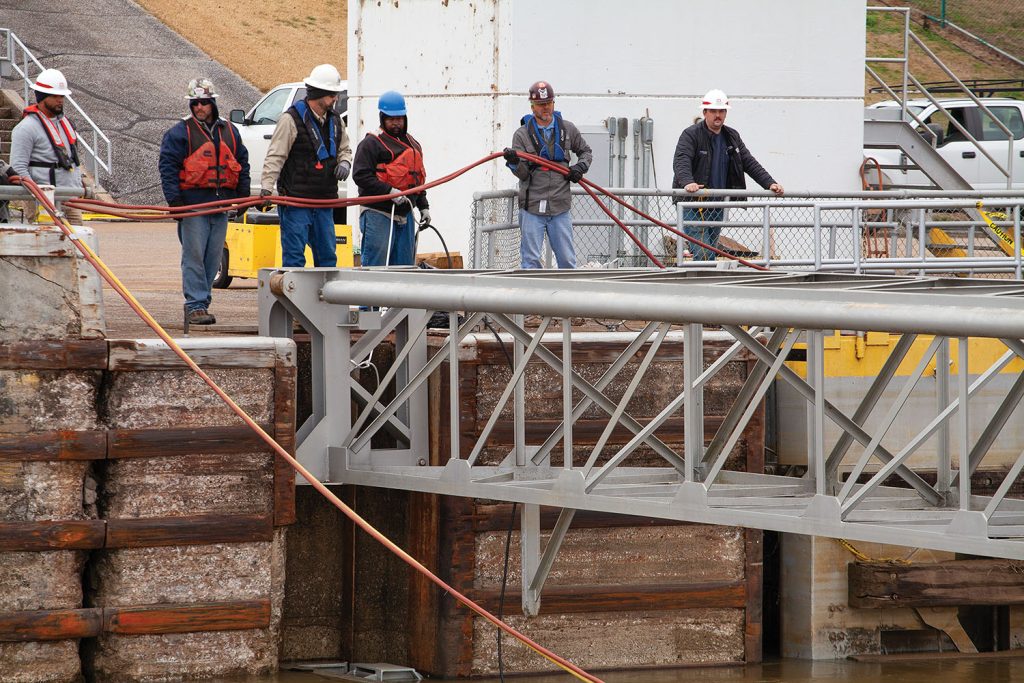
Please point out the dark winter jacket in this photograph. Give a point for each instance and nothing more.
(692, 161)
(370, 153)
(174, 149)
(538, 184)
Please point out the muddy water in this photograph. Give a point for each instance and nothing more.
(1004, 670)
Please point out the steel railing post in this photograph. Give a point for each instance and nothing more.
(943, 464)
(816, 415)
(519, 398)
(567, 391)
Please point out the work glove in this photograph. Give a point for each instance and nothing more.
(424, 217)
(575, 174)
(177, 201)
(402, 201)
(342, 170)
(267, 205)
(510, 155)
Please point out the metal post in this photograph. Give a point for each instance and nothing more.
(817, 237)
(478, 236)
(529, 546)
(766, 229)
(964, 424)
(906, 64)
(680, 242)
(922, 238)
(519, 400)
(567, 392)
(816, 415)
(1016, 243)
(943, 464)
(858, 240)
(693, 408)
(453, 381)
(513, 202)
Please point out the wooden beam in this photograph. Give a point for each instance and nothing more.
(52, 624)
(568, 599)
(64, 444)
(52, 535)
(210, 616)
(147, 443)
(956, 582)
(197, 530)
(285, 378)
(43, 354)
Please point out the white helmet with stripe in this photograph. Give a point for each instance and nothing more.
(51, 82)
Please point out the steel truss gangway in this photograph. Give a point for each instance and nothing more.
(847, 490)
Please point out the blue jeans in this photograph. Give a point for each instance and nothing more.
(705, 234)
(302, 226)
(558, 227)
(202, 244)
(376, 229)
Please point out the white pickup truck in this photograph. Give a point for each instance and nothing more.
(962, 154)
(257, 125)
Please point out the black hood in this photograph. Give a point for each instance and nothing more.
(405, 123)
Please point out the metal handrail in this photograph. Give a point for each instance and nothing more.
(9, 53)
(908, 78)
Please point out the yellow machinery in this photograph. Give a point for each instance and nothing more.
(251, 246)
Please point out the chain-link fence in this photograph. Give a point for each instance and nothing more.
(997, 22)
(953, 232)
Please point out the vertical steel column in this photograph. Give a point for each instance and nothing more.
(943, 464)
(519, 400)
(478, 235)
(922, 239)
(766, 235)
(858, 240)
(453, 381)
(1016, 242)
(817, 237)
(529, 549)
(693, 408)
(513, 203)
(680, 242)
(964, 423)
(567, 392)
(816, 415)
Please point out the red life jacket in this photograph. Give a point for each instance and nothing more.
(201, 169)
(405, 170)
(66, 158)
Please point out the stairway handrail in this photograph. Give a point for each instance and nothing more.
(11, 44)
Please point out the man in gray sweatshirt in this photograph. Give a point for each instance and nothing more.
(44, 145)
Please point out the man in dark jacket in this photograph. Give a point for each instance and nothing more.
(712, 155)
(544, 196)
(202, 159)
(387, 162)
(307, 157)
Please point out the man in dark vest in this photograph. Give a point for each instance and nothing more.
(202, 159)
(387, 162)
(544, 196)
(308, 155)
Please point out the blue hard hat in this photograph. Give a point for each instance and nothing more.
(391, 103)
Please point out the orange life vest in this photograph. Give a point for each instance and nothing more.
(201, 169)
(405, 169)
(66, 158)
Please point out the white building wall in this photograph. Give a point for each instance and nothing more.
(793, 71)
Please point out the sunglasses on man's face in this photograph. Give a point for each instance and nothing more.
(205, 103)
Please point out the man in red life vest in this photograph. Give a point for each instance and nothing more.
(308, 155)
(44, 145)
(387, 162)
(202, 159)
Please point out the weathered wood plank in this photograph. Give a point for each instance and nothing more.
(956, 582)
(576, 599)
(284, 433)
(754, 587)
(57, 445)
(209, 616)
(220, 352)
(55, 624)
(147, 443)
(45, 354)
(52, 535)
(197, 530)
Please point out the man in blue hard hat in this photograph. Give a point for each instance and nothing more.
(387, 162)
(309, 154)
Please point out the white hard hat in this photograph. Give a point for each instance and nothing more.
(201, 89)
(715, 99)
(324, 77)
(51, 82)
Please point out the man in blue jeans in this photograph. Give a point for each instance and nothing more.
(389, 161)
(712, 155)
(544, 197)
(308, 155)
(202, 159)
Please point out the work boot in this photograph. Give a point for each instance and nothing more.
(199, 316)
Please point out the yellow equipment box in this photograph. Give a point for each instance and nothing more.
(251, 246)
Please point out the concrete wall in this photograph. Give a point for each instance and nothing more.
(796, 89)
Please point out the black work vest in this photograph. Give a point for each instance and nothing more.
(300, 176)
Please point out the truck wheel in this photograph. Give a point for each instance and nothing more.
(222, 280)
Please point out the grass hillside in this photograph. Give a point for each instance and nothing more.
(965, 59)
(265, 41)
